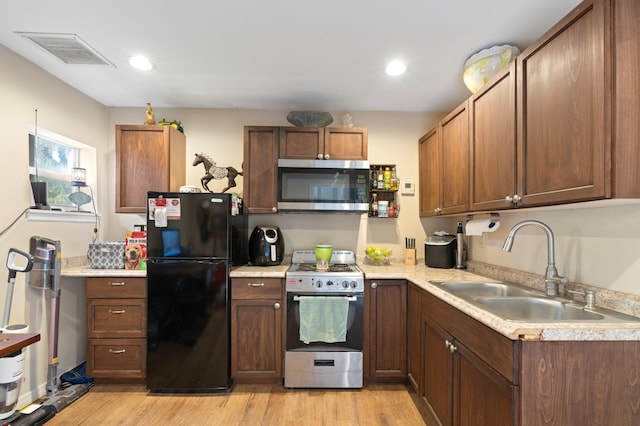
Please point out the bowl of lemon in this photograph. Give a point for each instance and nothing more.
(377, 256)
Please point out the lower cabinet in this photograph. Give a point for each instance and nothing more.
(473, 375)
(468, 370)
(257, 318)
(116, 329)
(386, 334)
(414, 337)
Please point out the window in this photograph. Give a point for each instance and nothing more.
(51, 159)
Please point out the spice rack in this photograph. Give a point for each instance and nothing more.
(383, 190)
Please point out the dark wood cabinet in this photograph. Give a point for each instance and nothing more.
(444, 165)
(564, 107)
(116, 329)
(492, 127)
(257, 311)
(560, 124)
(260, 180)
(626, 81)
(386, 316)
(429, 173)
(414, 337)
(148, 158)
(328, 143)
(469, 370)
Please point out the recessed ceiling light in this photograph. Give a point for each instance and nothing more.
(141, 63)
(396, 68)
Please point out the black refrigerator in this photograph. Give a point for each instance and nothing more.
(193, 240)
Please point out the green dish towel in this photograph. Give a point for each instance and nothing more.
(323, 319)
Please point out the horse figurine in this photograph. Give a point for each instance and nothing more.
(214, 172)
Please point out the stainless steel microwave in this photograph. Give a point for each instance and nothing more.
(323, 186)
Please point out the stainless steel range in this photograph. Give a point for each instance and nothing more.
(325, 320)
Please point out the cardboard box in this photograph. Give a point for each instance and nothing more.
(135, 250)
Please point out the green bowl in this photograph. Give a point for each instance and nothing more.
(324, 252)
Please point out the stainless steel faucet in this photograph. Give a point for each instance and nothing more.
(551, 277)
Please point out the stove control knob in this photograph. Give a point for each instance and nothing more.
(353, 284)
(345, 284)
(319, 283)
(329, 282)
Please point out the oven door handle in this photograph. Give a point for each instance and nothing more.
(349, 298)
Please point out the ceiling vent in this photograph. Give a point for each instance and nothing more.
(69, 48)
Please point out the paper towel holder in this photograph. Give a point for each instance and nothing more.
(493, 217)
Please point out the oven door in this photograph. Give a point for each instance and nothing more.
(355, 323)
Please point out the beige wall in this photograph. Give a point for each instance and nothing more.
(25, 88)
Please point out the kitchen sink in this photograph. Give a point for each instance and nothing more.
(535, 309)
(482, 289)
(515, 303)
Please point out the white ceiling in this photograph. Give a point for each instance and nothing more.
(278, 54)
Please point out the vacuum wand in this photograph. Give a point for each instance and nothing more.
(17, 261)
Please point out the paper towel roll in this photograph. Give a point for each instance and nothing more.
(477, 227)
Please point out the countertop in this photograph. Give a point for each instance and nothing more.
(86, 271)
(421, 275)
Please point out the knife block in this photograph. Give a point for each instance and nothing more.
(410, 257)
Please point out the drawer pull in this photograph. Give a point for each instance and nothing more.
(256, 284)
(117, 311)
(116, 284)
(117, 351)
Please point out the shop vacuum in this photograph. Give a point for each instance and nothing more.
(45, 275)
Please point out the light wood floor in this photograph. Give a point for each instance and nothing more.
(375, 404)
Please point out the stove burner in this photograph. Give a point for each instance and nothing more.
(334, 267)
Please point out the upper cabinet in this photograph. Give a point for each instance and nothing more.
(148, 158)
(264, 145)
(492, 140)
(626, 83)
(444, 165)
(563, 135)
(560, 125)
(323, 143)
(260, 169)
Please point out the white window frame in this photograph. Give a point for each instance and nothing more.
(87, 160)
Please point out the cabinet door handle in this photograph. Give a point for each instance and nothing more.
(374, 285)
(274, 209)
(437, 210)
(327, 156)
(276, 305)
(513, 200)
(116, 284)
(447, 344)
(256, 284)
(117, 311)
(117, 351)
(320, 156)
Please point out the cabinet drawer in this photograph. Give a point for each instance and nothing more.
(256, 288)
(117, 358)
(116, 318)
(116, 287)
